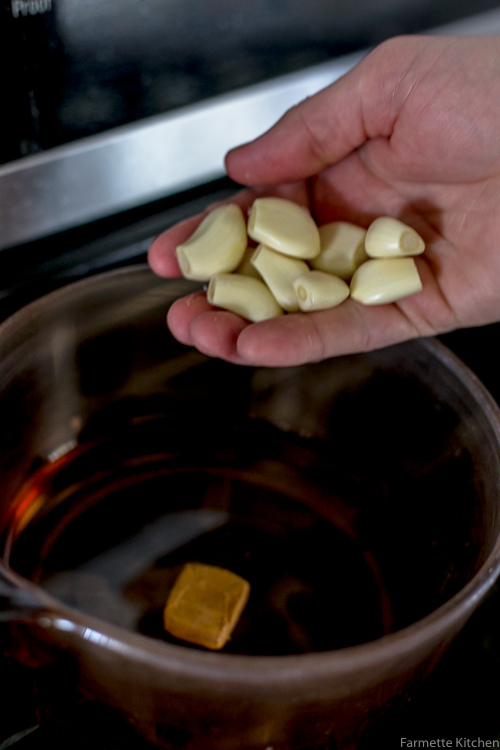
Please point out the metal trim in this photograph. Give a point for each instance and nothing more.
(159, 156)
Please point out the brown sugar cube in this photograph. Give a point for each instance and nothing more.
(205, 604)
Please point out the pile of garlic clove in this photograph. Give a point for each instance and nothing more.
(298, 265)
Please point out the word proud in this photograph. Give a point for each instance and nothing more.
(30, 7)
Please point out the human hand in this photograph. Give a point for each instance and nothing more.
(412, 131)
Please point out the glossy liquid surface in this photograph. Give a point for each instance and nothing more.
(107, 528)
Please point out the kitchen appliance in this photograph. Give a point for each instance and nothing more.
(82, 193)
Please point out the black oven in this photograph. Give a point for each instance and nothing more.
(116, 118)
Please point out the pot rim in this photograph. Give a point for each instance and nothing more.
(434, 627)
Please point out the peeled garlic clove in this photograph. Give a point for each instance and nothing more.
(246, 268)
(217, 246)
(318, 290)
(285, 227)
(387, 237)
(378, 282)
(342, 249)
(243, 295)
(279, 272)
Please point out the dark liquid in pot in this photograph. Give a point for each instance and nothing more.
(107, 527)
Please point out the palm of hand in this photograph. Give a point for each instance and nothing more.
(430, 157)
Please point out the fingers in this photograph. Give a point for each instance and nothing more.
(328, 126)
(347, 329)
(299, 338)
(308, 138)
(290, 339)
(183, 311)
(194, 322)
(161, 254)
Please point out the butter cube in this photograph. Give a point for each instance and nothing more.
(205, 604)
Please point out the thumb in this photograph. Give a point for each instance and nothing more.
(323, 129)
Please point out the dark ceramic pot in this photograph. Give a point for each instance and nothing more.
(399, 451)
